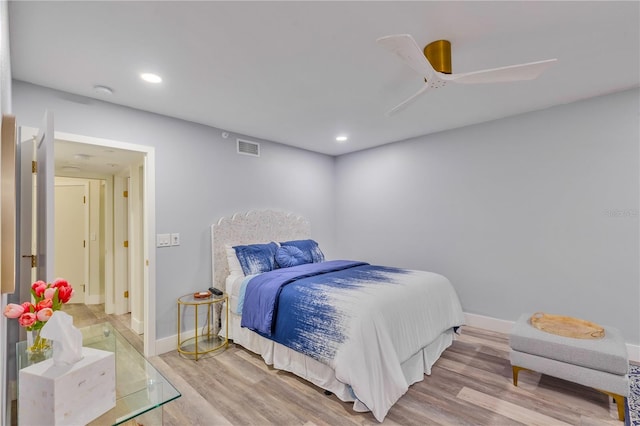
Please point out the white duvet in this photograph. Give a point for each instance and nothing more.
(389, 331)
(389, 328)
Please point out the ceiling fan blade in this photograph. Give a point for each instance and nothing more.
(408, 101)
(408, 50)
(528, 71)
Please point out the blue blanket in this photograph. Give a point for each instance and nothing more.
(261, 295)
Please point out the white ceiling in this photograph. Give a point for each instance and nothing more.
(300, 73)
(74, 159)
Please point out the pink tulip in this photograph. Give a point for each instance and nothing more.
(49, 293)
(13, 311)
(27, 319)
(59, 282)
(44, 304)
(27, 306)
(64, 294)
(39, 287)
(38, 284)
(44, 314)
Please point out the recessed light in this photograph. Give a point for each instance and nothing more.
(83, 157)
(151, 78)
(341, 138)
(71, 168)
(103, 90)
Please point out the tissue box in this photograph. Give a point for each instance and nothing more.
(68, 395)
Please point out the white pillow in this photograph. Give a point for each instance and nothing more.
(233, 262)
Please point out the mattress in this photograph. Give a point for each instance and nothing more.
(233, 284)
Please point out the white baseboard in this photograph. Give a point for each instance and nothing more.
(137, 326)
(168, 344)
(488, 323)
(634, 352)
(109, 308)
(504, 326)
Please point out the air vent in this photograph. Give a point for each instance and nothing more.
(248, 148)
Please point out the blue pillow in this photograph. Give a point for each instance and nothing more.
(289, 256)
(308, 247)
(257, 258)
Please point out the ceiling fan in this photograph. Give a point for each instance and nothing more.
(434, 64)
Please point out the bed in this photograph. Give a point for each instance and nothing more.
(363, 332)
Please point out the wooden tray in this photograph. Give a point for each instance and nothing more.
(566, 326)
(202, 295)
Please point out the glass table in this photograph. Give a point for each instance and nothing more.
(210, 339)
(141, 390)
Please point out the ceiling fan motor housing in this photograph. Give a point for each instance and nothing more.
(438, 54)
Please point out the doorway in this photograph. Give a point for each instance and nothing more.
(108, 160)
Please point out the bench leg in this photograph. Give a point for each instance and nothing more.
(515, 369)
(619, 399)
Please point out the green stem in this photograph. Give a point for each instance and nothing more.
(39, 343)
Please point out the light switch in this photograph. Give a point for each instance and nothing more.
(175, 239)
(163, 240)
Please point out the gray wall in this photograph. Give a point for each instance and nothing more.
(533, 212)
(199, 178)
(537, 212)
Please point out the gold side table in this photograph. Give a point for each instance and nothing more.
(200, 342)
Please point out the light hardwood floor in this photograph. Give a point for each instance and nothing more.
(470, 384)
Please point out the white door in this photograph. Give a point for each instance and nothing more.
(45, 204)
(70, 236)
(36, 205)
(26, 225)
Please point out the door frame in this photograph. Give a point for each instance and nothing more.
(136, 249)
(120, 258)
(148, 230)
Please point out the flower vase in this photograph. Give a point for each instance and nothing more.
(38, 348)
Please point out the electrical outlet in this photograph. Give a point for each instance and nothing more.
(175, 239)
(163, 240)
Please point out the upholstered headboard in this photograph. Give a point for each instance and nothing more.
(259, 226)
